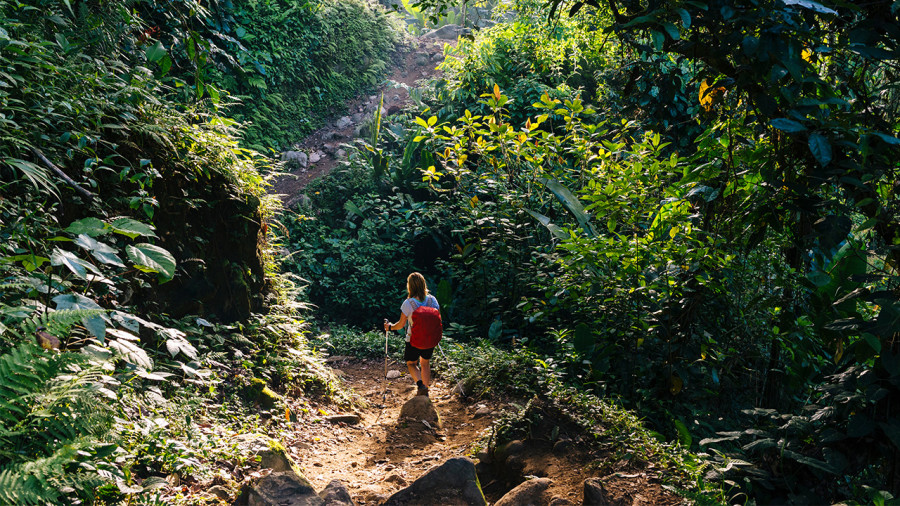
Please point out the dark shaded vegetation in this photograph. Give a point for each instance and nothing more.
(139, 297)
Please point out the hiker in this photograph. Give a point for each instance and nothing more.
(424, 336)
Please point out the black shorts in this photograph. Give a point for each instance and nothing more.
(412, 354)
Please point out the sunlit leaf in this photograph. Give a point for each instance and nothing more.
(99, 250)
(131, 353)
(131, 228)
(71, 262)
(92, 227)
(150, 258)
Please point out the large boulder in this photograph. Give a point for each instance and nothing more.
(595, 493)
(276, 458)
(336, 494)
(528, 493)
(297, 158)
(453, 482)
(284, 489)
(343, 122)
(288, 488)
(421, 408)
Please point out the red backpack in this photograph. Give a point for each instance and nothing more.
(426, 327)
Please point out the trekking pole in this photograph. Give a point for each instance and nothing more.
(459, 384)
(384, 379)
(385, 353)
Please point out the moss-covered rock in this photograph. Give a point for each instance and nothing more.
(257, 391)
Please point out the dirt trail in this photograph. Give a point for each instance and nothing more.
(324, 146)
(379, 456)
(382, 455)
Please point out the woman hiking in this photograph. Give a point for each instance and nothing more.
(417, 358)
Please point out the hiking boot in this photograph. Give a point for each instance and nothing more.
(422, 390)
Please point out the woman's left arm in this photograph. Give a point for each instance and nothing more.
(396, 326)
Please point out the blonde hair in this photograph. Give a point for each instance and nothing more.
(416, 287)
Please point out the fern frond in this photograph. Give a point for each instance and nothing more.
(50, 419)
(16, 286)
(44, 480)
(18, 489)
(57, 322)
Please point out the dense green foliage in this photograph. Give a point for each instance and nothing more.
(135, 251)
(297, 62)
(688, 208)
(710, 229)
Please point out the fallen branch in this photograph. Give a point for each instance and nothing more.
(65, 177)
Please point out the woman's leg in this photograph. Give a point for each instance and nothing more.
(413, 371)
(426, 371)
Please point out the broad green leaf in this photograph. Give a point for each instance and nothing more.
(572, 204)
(809, 461)
(658, 39)
(888, 139)
(165, 64)
(713, 440)
(149, 258)
(88, 226)
(96, 325)
(820, 149)
(153, 483)
(101, 251)
(133, 323)
(74, 301)
(71, 261)
(353, 209)
(819, 278)
(872, 341)
(131, 228)
(672, 30)
(495, 330)
(155, 52)
(176, 343)
(545, 221)
(684, 436)
(29, 262)
(759, 444)
(788, 125)
(131, 353)
(685, 18)
(811, 5)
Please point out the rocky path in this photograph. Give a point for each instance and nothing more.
(380, 455)
(320, 152)
(374, 456)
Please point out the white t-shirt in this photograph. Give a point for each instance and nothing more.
(409, 305)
